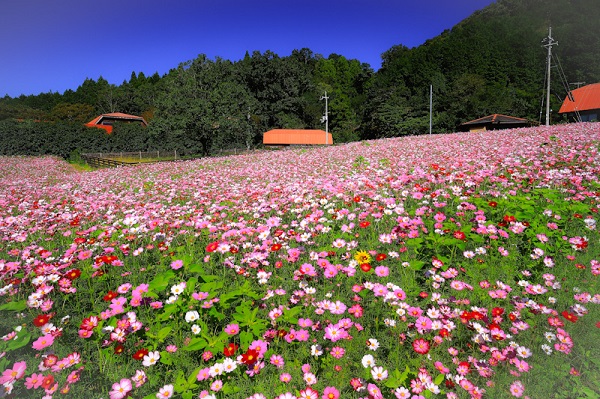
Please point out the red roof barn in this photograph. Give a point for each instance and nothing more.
(296, 137)
(494, 122)
(105, 121)
(582, 104)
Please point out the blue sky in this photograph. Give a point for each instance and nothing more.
(55, 45)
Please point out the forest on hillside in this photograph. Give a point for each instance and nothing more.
(492, 62)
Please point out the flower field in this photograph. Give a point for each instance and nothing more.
(451, 266)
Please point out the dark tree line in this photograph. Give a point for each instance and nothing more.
(492, 62)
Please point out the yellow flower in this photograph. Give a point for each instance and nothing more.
(362, 257)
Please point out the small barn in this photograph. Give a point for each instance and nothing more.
(106, 121)
(494, 122)
(297, 137)
(582, 104)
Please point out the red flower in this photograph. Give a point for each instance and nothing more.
(364, 224)
(357, 199)
(421, 346)
(119, 349)
(42, 319)
(356, 383)
(444, 333)
(460, 235)
(509, 219)
(212, 247)
(569, 316)
(73, 274)
(281, 333)
(50, 361)
(230, 349)
(365, 267)
(380, 257)
(493, 204)
(139, 355)
(275, 247)
(48, 381)
(497, 312)
(250, 357)
(110, 296)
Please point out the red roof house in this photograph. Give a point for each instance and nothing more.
(105, 121)
(494, 122)
(582, 104)
(296, 137)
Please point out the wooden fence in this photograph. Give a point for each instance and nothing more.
(112, 159)
(102, 160)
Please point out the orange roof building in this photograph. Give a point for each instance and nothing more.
(297, 137)
(106, 121)
(494, 122)
(582, 104)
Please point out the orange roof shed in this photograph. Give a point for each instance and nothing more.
(297, 137)
(105, 121)
(584, 100)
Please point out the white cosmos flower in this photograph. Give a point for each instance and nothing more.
(191, 316)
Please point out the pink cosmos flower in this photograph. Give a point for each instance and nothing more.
(176, 264)
(337, 352)
(330, 393)
(517, 389)
(43, 342)
(34, 381)
(382, 271)
(165, 392)
(120, 389)
(232, 329)
(277, 361)
(11, 375)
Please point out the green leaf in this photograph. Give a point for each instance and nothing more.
(195, 344)
(193, 377)
(191, 285)
(166, 358)
(168, 311)
(16, 306)
(22, 339)
(290, 314)
(439, 379)
(216, 314)
(246, 339)
(416, 265)
(161, 281)
(164, 332)
(196, 268)
(229, 388)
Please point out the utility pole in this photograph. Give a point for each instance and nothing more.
(430, 106)
(549, 42)
(325, 117)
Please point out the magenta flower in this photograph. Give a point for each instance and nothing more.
(176, 264)
(165, 392)
(232, 329)
(517, 389)
(330, 393)
(11, 375)
(34, 381)
(121, 389)
(43, 342)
